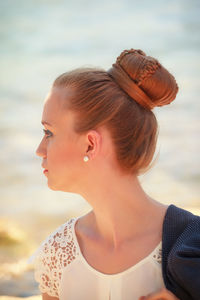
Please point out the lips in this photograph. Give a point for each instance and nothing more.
(45, 171)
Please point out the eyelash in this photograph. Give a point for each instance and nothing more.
(47, 132)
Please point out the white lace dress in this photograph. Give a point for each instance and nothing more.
(62, 271)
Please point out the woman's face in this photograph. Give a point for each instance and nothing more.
(61, 149)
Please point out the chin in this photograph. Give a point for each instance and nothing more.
(59, 188)
(53, 187)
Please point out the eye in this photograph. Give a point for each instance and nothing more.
(47, 133)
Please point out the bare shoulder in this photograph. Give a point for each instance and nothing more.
(84, 222)
(159, 214)
(45, 296)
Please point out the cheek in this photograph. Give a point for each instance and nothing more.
(63, 157)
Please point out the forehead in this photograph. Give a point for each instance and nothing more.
(55, 105)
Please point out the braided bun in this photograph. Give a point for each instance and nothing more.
(144, 79)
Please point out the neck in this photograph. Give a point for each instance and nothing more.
(121, 210)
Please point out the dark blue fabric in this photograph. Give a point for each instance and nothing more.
(181, 253)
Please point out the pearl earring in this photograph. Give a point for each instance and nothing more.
(86, 158)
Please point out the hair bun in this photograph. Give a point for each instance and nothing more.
(144, 79)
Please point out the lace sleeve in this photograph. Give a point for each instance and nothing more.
(55, 253)
(49, 260)
(46, 273)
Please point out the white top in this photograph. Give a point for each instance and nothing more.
(63, 272)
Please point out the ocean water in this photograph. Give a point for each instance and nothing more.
(41, 39)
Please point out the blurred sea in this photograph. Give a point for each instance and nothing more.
(41, 39)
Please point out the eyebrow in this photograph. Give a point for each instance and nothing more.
(44, 122)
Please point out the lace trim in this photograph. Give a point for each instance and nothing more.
(158, 255)
(55, 253)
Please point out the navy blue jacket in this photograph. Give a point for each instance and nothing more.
(181, 253)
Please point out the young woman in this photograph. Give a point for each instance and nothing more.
(100, 135)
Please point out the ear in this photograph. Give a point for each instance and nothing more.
(94, 143)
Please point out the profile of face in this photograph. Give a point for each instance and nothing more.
(61, 149)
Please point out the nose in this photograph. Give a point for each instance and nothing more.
(41, 150)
